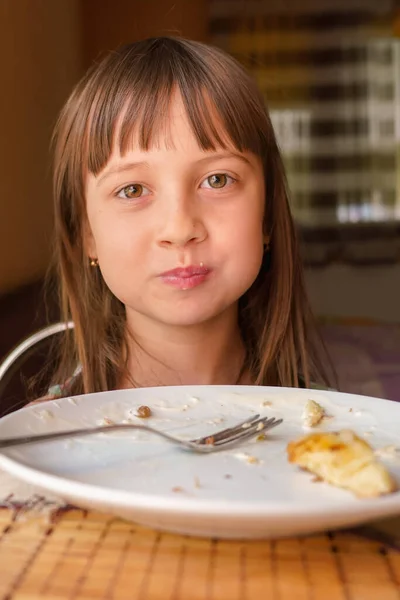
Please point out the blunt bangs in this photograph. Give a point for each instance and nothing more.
(133, 96)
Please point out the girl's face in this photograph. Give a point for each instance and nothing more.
(177, 230)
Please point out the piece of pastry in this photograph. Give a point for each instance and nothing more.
(344, 460)
(313, 413)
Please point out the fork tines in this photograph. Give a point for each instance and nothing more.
(242, 431)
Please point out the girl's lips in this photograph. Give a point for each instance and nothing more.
(185, 278)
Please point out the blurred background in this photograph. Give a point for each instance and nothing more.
(330, 73)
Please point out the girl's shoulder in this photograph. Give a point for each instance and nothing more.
(59, 390)
(315, 386)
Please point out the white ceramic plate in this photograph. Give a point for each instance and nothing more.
(148, 480)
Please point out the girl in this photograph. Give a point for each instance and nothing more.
(176, 251)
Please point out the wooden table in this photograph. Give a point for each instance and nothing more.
(87, 555)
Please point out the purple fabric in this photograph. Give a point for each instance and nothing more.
(366, 358)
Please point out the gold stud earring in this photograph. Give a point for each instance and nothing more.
(94, 262)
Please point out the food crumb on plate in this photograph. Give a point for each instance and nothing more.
(253, 460)
(144, 412)
(390, 451)
(313, 413)
(266, 403)
(45, 415)
(215, 421)
(248, 458)
(177, 489)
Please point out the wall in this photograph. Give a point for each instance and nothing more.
(110, 23)
(363, 292)
(40, 60)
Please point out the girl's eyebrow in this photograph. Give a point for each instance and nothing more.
(223, 155)
(122, 168)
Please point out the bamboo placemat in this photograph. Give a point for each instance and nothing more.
(88, 555)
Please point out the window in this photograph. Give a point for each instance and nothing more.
(330, 71)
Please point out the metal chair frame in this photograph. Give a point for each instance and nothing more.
(10, 363)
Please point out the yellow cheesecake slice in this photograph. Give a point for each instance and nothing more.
(342, 459)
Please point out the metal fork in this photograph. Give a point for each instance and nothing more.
(209, 443)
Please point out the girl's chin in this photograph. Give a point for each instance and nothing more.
(191, 321)
(182, 314)
(180, 318)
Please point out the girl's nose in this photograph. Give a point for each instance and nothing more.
(181, 226)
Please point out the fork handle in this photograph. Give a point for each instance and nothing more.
(59, 435)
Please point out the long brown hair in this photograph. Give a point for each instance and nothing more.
(133, 86)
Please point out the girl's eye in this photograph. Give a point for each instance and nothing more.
(217, 181)
(130, 192)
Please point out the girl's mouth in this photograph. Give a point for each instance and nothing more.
(185, 278)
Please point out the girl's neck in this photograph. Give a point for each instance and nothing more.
(212, 353)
